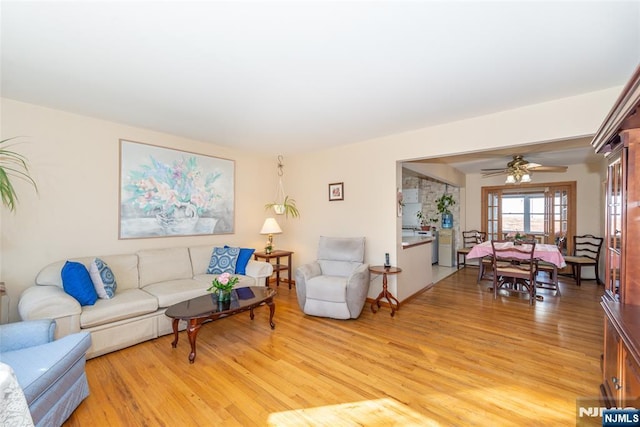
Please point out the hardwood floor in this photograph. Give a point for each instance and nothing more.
(451, 356)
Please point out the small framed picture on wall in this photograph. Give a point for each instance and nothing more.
(336, 191)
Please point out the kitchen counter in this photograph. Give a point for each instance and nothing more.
(409, 242)
(415, 261)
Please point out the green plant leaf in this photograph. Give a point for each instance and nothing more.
(444, 202)
(289, 207)
(12, 165)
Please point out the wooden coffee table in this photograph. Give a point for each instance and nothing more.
(200, 310)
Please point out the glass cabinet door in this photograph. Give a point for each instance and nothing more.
(614, 229)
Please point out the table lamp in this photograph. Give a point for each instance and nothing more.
(270, 227)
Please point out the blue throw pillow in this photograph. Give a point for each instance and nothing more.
(243, 259)
(223, 260)
(103, 279)
(77, 283)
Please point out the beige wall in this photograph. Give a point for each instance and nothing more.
(370, 172)
(589, 187)
(590, 179)
(75, 161)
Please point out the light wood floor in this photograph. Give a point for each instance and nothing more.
(451, 356)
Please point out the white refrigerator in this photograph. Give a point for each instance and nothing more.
(409, 211)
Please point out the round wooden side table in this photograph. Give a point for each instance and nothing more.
(381, 269)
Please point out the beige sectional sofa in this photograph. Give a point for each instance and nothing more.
(148, 282)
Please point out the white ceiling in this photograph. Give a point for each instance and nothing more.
(287, 77)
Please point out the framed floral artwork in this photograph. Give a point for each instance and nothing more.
(166, 192)
(336, 191)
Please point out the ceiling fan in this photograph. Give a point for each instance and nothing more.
(520, 170)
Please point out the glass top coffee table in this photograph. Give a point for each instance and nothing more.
(204, 309)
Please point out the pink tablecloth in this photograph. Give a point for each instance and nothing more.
(543, 252)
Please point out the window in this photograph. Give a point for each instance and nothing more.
(545, 210)
(523, 213)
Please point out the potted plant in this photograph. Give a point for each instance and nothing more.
(282, 204)
(423, 221)
(12, 164)
(286, 207)
(434, 221)
(443, 204)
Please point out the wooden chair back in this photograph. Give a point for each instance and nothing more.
(471, 238)
(586, 252)
(587, 246)
(515, 272)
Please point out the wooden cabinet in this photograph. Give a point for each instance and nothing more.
(620, 364)
(611, 355)
(619, 139)
(630, 387)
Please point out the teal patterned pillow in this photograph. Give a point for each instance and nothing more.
(103, 279)
(223, 260)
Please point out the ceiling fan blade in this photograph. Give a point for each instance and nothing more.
(496, 173)
(502, 170)
(548, 169)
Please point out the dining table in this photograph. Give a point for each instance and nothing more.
(542, 252)
(549, 254)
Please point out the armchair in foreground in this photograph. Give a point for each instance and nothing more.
(337, 283)
(50, 373)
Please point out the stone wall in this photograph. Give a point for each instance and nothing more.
(429, 190)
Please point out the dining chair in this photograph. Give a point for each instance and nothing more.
(470, 238)
(586, 252)
(551, 270)
(485, 267)
(514, 268)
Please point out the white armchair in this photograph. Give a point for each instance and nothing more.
(337, 283)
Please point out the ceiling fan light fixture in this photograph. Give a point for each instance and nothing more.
(520, 170)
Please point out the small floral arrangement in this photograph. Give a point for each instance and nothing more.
(224, 282)
(515, 235)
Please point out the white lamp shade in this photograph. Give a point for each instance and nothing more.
(510, 179)
(526, 178)
(270, 226)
